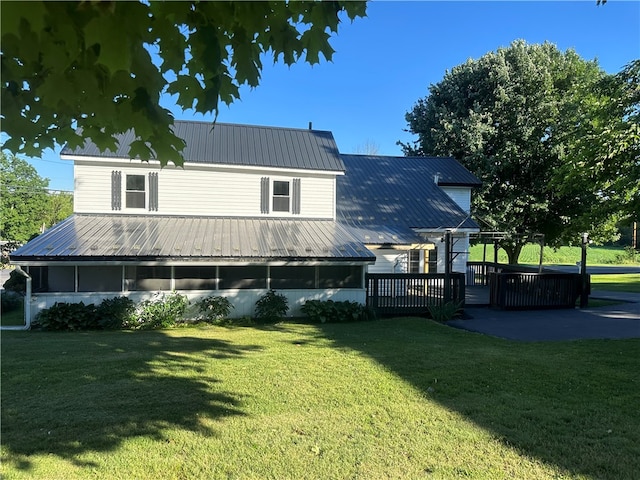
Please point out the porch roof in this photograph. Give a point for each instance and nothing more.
(85, 237)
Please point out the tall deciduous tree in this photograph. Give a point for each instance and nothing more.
(59, 206)
(505, 117)
(603, 154)
(23, 199)
(102, 65)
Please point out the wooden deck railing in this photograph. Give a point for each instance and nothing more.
(525, 291)
(412, 293)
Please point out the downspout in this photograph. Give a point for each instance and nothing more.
(27, 300)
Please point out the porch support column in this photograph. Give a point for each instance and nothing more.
(447, 266)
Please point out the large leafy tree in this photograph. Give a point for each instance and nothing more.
(23, 199)
(59, 206)
(506, 117)
(603, 154)
(102, 66)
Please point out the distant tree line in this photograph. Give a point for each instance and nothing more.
(27, 207)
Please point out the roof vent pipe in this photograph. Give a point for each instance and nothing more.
(436, 178)
(310, 126)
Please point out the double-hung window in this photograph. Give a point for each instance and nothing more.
(281, 196)
(139, 192)
(135, 191)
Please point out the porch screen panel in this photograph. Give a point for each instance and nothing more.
(116, 190)
(195, 278)
(39, 279)
(293, 277)
(61, 279)
(99, 279)
(340, 276)
(243, 277)
(147, 278)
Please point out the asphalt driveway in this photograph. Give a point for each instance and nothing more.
(617, 321)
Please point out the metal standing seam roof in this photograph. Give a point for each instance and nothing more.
(242, 145)
(380, 196)
(450, 172)
(85, 237)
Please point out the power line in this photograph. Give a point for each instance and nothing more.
(27, 189)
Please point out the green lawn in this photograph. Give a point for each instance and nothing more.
(404, 398)
(12, 318)
(629, 282)
(562, 256)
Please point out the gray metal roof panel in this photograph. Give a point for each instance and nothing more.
(131, 238)
(245, 145)
(385, 234)
(450, 172)
(397, 191)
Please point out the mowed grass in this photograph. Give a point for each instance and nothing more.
(629, 282)
(561, 256)
(12, 318)
(399, 398)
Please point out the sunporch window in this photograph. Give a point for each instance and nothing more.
(147, 278)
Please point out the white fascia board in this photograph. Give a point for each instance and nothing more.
(199, 263)
(216, 166)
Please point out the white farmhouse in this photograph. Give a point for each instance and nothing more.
(253, 208)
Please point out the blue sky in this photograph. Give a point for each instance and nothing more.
(385, 62)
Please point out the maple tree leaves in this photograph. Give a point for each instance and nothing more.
(76, 70)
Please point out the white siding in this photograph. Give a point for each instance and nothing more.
(460, 247)
(200, 191)
(388, 260)
(242, 300)
(460, 195)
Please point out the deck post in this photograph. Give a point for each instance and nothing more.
(447, 266)
(584, 284)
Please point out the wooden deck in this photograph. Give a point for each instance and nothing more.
(412, 293)
(494, 286)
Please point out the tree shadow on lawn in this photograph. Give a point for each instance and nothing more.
(107, 387)
(569, 404)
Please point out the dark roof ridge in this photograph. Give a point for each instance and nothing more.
(409, 157)
(250, 125)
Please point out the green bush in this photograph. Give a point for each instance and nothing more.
(324, 311)
(10, 301)
(628, 255)
(445, 312)
(271, 307)
(163, 311)
(68, 316)
(16, 282)
(116, 313)
(214, 309)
